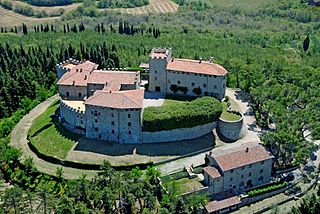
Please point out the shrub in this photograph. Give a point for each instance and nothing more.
(24, 10)
(6, 4)
(185, 115)
(263, 190)
(49, 2)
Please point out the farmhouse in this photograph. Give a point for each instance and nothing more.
(108, 104)
(185, 76)
(238, 168)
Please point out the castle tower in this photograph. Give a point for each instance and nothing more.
(159, 59)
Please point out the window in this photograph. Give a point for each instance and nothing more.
(96, 120)
(204, 85)
(81, 122)
(99, 136)
(155, 78)
(196, 74)
(112, 123)
(231, 179)
(178, 82)
(242, 168)
(262, 162)
(67, 94)
(129, 132)
(214, 76)
(241, 176)
(91, 112)
(231, 170)
(155, 71)
(250, 166)
(129, 124)
(112, 115)
(261, 170)
(112, 131)
(215, 86)
(79, 94)
(169, 81)
(129, 115)
(250, 174)
(224, 85)
(95, 129)
(192, 84)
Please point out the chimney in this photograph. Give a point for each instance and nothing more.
(73, 82)
(77, 70)
(200, 60)
(247, 150)
(85, 77)
(80, 70)
(110, 91)
(172, 59)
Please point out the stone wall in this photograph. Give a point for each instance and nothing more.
(74, 117)
(178, 134)
(232, 130)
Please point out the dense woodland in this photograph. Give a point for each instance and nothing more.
(271, 49)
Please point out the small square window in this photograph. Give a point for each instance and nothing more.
(67, 94)
(231, 170)
(242, 168)
(112, 131)
(81, 122)
(155, 71)
(129, 115)
(192, 84)
(95, 129)
(261, 171)
(178, 82)
(250, 174)
(155, 78)
(231, 179)
(214, 76)
(169, 81)
(129, 132)
(215, 87)
(204, 85)
(262, 162)
(250, 165)
(112, 115)
(129, 124)
(241, 176)
(112, 123)
(96, 121)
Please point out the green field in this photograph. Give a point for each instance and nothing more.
(49, 136)
(185, 185)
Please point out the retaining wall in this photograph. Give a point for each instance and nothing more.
(178, 134)
(231, 130)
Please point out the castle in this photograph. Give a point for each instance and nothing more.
(108, 104)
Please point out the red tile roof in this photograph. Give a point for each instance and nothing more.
(78, 75)
(117, 99)
(240, 156)
(214, 206)
(195, 66)
(122, 77)
(212, 172)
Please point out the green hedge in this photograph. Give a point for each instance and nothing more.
(263, 190)
(185, 115)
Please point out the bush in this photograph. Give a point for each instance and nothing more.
(263, 190)
(185, 115)
(6, 4)
(24, 10)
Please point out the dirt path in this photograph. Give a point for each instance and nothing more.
(19, 140)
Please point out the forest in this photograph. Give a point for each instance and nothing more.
(271, 50)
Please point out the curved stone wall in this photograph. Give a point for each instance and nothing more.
(178, 134)
(231, 130)
(74, 117)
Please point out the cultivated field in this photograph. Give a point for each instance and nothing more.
(154, 7)
(10, 19)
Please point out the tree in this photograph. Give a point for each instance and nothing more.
(13, 200)
(197, 91)
(306, 43)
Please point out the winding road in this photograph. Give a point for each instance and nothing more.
(19, 140)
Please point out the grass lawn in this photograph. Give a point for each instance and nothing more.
(185, 184)
(227, 115)
(49, 136)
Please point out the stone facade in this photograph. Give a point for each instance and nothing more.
(165, 71)
(232, 130)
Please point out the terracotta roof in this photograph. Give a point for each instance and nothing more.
(214, 206)
(243, 155)
(122, 77)
(117, 99)
(78, 75)
(195, 66)
(212, 172)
